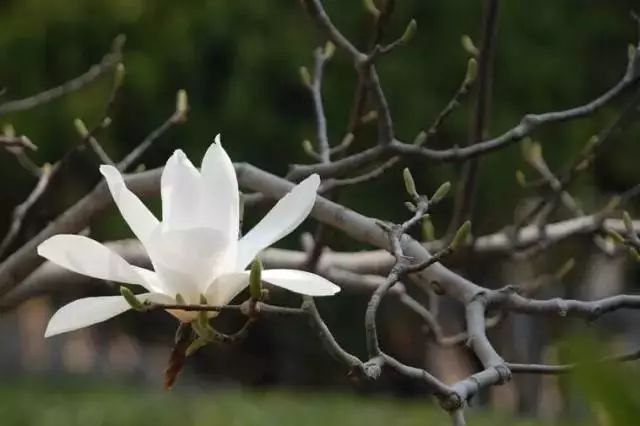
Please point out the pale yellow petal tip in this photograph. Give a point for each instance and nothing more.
(218, 140)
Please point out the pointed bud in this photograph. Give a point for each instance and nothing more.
(410, 31)
(305, 76)
(131, 299)
(520, 178)
(8, 130)
(182, 103)
(81, 128)
(472, 71)
(441, 192)
(118, 76)
(329, 50)
(307, 146)
(565, 269)
(613, 203)
(409, 183)
(628, 223)
(616, 236)
(461, 235)
(428, 231)
(369, 117)
(410, 206)
(198, 343)
(255, 280)
(468, 46)
(370, 6)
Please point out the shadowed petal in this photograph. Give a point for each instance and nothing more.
(141, 221)
(92, 310)
(283, 218)
(88, 257)
(181, 189)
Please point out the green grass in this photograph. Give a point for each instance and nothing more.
(34, 403)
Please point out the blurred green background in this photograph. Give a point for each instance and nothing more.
(239, 61)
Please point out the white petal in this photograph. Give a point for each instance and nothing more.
(92, 310)
(300, 282)
(226, 287)
(88, 257)
(220, 191)
(141, 221)
(188, 260)
(181, 193)
(283, 218)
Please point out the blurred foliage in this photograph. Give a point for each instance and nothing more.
(80, 405)
(606, 388)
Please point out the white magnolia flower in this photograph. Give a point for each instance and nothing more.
(194, 251)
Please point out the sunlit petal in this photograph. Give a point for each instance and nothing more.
(220, 194)
(283, 218)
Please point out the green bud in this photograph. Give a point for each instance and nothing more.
(410, 31)
(472, 71)
(305, 76)
(329, 50)
(370, 6)
(81, 128)
(565, 269)
(628, 223)
(615, 236)
(118, 76)
(631, 52)
(409, 183)
(307, 146)
(182, 102)
(468, 46)
(369, 116)
(428, 231)
(198, 343)
(634, 252)
(441, 192)
(520, 178)
(410, 206)
(131, 299)
(613, 203)
(461, 235)
(255, 280)
(8, 130)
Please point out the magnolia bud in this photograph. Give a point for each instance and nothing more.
(461, 235)
(182, 103)
(441, 192)
(81, 128)
(255, 280)
(410, 31)
(131, 299)
(468, 46)
(305, 76)
(472, 71)
(409, 183)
